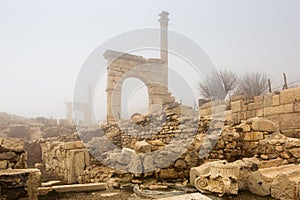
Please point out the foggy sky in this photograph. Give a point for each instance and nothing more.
(44, 43)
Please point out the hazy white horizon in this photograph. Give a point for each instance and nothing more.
(43, 44)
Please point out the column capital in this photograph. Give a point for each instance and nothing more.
(164, 19)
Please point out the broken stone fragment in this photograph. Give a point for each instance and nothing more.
(13, 144)
(286, 185)
(216, 177)
(260, 182)
(142, 147)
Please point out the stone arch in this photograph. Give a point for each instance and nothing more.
(153, 72)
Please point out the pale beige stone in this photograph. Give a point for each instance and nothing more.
(260, 182)
(260, 124)
(80, 187)
(290, 95)
(286, 185)
(216, 177)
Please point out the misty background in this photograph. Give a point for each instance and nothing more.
(43, 44)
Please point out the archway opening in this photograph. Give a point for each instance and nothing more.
(135, 98)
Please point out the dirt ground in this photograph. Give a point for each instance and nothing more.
(124, 195)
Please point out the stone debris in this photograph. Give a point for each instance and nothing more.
(19, 183)
(50, 183)
(67, 160)
(286, 185)
(73, 188)
(260, 182)
(216, 177)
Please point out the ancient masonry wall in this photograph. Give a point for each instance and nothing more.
(12, 154)
(66, 159)
(282, 108)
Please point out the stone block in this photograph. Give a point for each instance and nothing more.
(267, 100)
(13, 144)
(252, 106)
(297, 106)
(254, 136)
(272, 111)
(260, 181)
(276, 100)
(80, 187)
(260, 124)
(286, 185)
(228, 115)
(290, 95)
(295, 152)
(142, 147)
(3, 164)
(289, 121)
(274, 118)
(168, 174)
(75, 164)
(236, 106)
(258, 98)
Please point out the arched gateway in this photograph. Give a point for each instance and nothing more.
(152, 72)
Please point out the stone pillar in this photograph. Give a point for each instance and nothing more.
(113, 104)
(164, 22)
(164, 36)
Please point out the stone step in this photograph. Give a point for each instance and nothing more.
(73, 188)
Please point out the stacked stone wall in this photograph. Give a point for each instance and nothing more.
(12, 154)
(282, 108)
(66, 159)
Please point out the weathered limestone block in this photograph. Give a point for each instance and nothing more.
(290, 95)
(288, 121)
(236, 106)
(286, 185)
(76, 161)
(73, 145)
(260, 182)
(253, 136)
(247, 166)
(135, 166)
(295, 152)
(168, 174)
(260, 124)
(142, 147)
(13, 144)
(217, 177)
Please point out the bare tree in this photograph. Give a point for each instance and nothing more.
(253, 84)
(218, 84)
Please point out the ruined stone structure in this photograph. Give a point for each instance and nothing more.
(282, 108)
(19, 184)
(66, 159)
(152, 72)
(12, 154)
